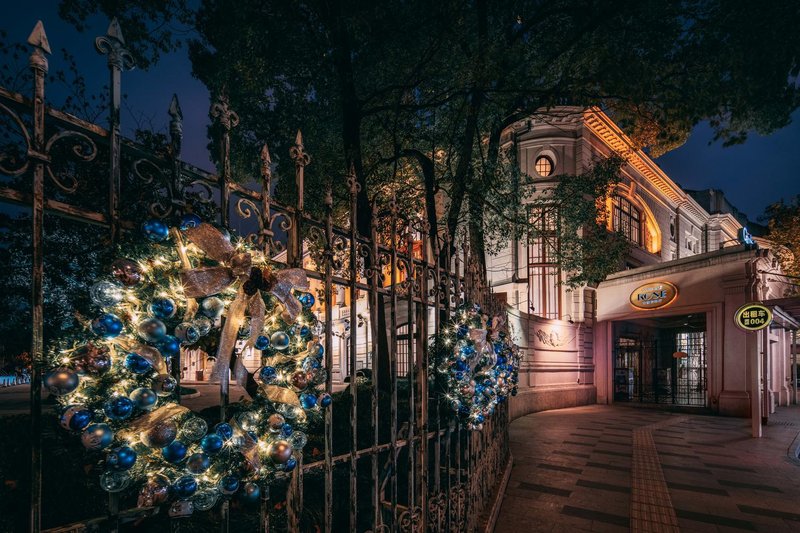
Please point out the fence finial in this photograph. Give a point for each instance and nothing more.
(266, 161)
(38, 38)
(114, 31)
(113, 44)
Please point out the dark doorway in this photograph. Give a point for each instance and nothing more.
(661, 360)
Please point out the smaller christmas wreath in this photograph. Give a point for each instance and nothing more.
(476, 365)
(191, 287)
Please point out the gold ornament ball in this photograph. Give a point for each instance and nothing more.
(280, 451)
(275, 422)
(300, 380)
(161, 434)
(154, 492)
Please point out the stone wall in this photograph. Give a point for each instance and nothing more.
(543, 399)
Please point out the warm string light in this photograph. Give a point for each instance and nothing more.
(160, 279)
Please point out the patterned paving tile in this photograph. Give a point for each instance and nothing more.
(716, 520)
(785, 515)
(705, 473)
(753, 486)
(560, 468)
(589, 514)
(544, 488)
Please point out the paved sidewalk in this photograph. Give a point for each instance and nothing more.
(601, 468)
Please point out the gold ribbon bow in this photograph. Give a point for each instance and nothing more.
(236, 266)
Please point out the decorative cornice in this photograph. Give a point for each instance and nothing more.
(612, 136)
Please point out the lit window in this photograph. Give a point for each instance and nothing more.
(544, 273)
(544, 166)
(627, 220)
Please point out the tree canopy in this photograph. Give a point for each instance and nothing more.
(414, 95)
(784, 232)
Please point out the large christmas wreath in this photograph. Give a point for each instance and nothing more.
(476, 364)
(113, 378)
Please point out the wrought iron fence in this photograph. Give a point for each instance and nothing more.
(406, 465)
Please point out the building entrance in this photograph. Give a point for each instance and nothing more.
(661, 360)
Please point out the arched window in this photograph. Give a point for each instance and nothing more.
(626, 219)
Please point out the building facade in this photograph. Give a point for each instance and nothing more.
(579, 343)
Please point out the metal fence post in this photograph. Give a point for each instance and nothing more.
(112, 44)
(228, 119)
(294, 254)
(265, 238)
(175, 145)
(328, 295)
(38, 64)
(354, 187)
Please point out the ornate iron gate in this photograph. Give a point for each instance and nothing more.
(414, 470)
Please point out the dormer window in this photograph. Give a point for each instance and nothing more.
(626, 219)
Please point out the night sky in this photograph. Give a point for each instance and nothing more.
(753, 175)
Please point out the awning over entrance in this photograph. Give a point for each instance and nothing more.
(790, 308)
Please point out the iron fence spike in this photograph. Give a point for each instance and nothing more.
(38, 38)
(114, 31)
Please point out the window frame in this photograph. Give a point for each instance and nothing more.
(544, 272)
(624, 221)
(549, 161)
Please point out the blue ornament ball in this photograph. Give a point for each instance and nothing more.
(266, 374)
(224, 430)
(211, 443)
(169, 346)
(61, 381)
(155, 230)
(152, 329)
(107, 325)
(144, 398)
(306, 299)
(118, 408)
(318, 350)
(75, 418)
(97, 437)
(163, 307)
(187, 333)
(184, 486)
(212, 307)
(287, 430)
(308, 401)
(305, 331)
(122, 458)
(198, 463)
(279, 340)
(174, 452)
(461, 331)
(228, 484)
(106, 294)
(262, 342)
(250, 493)
(290, 464)
(325, 399)
(190, 220)
(137, 364)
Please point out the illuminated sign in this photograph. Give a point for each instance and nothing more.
(654, 295)
(745, 237)
(753, 317)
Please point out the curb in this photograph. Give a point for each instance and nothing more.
(491, 522)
